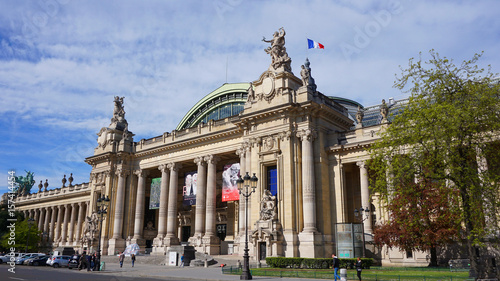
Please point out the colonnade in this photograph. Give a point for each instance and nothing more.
(60, 224)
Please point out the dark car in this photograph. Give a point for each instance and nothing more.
(74, 261)
(42, 260)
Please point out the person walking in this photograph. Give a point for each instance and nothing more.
(84, 262)
(182, 261)
(336, 266)
(121, 258)
(132, 257)
(359, 267)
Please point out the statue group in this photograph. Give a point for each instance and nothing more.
(277, 50)
(24, 184)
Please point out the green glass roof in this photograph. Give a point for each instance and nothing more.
(225, 101)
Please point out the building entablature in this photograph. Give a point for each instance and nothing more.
(63, 193)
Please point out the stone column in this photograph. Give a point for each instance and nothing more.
(162, 212)
(40, 219)
(37, 217)
(81, 218)
(365, 195)
(64, 232)
(59, 222)
(211, 195)
(72, 223)
(52, 223)
(139, 206)
(308, 182)
(119, 203)
(201, 189)
(46, 221)
(170, 238)
(241, 211)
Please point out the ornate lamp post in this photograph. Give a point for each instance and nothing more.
(243, 188)
(30, 223)
(363, 217)
(102, 208)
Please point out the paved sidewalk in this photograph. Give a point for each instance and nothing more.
(141, 271)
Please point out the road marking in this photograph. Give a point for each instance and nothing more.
(17, 278)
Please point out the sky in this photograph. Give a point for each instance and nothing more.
(63, 61)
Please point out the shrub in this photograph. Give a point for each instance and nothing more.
(318, 263)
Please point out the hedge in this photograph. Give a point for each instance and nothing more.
(281, 262)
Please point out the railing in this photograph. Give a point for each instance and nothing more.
(329, 275)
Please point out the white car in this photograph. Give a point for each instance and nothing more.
(58, 261)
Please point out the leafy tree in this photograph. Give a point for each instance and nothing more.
(420, 218)
(22, 228)
(449, 126)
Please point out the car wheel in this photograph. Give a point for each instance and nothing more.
(35, 263)
(55, 265)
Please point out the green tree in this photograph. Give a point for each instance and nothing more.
(449, 126)
(24, 233)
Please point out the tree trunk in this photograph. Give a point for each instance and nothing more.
(433, 257)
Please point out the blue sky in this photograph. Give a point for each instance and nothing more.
(63, 61)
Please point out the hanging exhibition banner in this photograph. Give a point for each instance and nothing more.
(154, 197)
(229, 186)
(189, 189)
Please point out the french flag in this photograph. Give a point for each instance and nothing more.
(313, 44)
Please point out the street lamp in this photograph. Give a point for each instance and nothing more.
(243, 185)
(102, 208)
(30, 223)
(362, 218)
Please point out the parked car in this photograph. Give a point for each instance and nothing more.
(42, 260)
(59, 261)
(6, 258)
(20, 260)
(74, 261)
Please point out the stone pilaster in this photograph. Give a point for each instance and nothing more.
(37, 217)
(201, 189)
(46, 221)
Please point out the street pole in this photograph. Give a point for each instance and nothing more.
(102, 204)
(245, 183)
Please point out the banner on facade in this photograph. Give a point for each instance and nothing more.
(154, 197)
(189, 189)
(229, 186)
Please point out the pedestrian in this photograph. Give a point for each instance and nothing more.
(121, 258)
(132, 257)
(92, 262)
(84, 262)
(97, 262)
(336, 266)
(359, 267)
(182, 261)
(89, 262)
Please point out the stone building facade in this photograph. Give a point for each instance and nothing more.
(307, 149)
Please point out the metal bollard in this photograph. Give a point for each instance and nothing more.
(343, 274)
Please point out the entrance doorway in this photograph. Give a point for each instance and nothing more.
(186, 233)
(221, 231)
(262, 250)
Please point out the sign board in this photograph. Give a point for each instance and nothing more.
(172, 258)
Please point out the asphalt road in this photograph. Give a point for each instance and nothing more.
(46, 273)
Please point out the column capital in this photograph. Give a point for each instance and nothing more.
(122, 172)
(80, 204)
(141, 173)
(241, 152)
(174, 166)
(199, 161)
(307, 134)
(361, 164)
(212, 159)
(163, 168)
